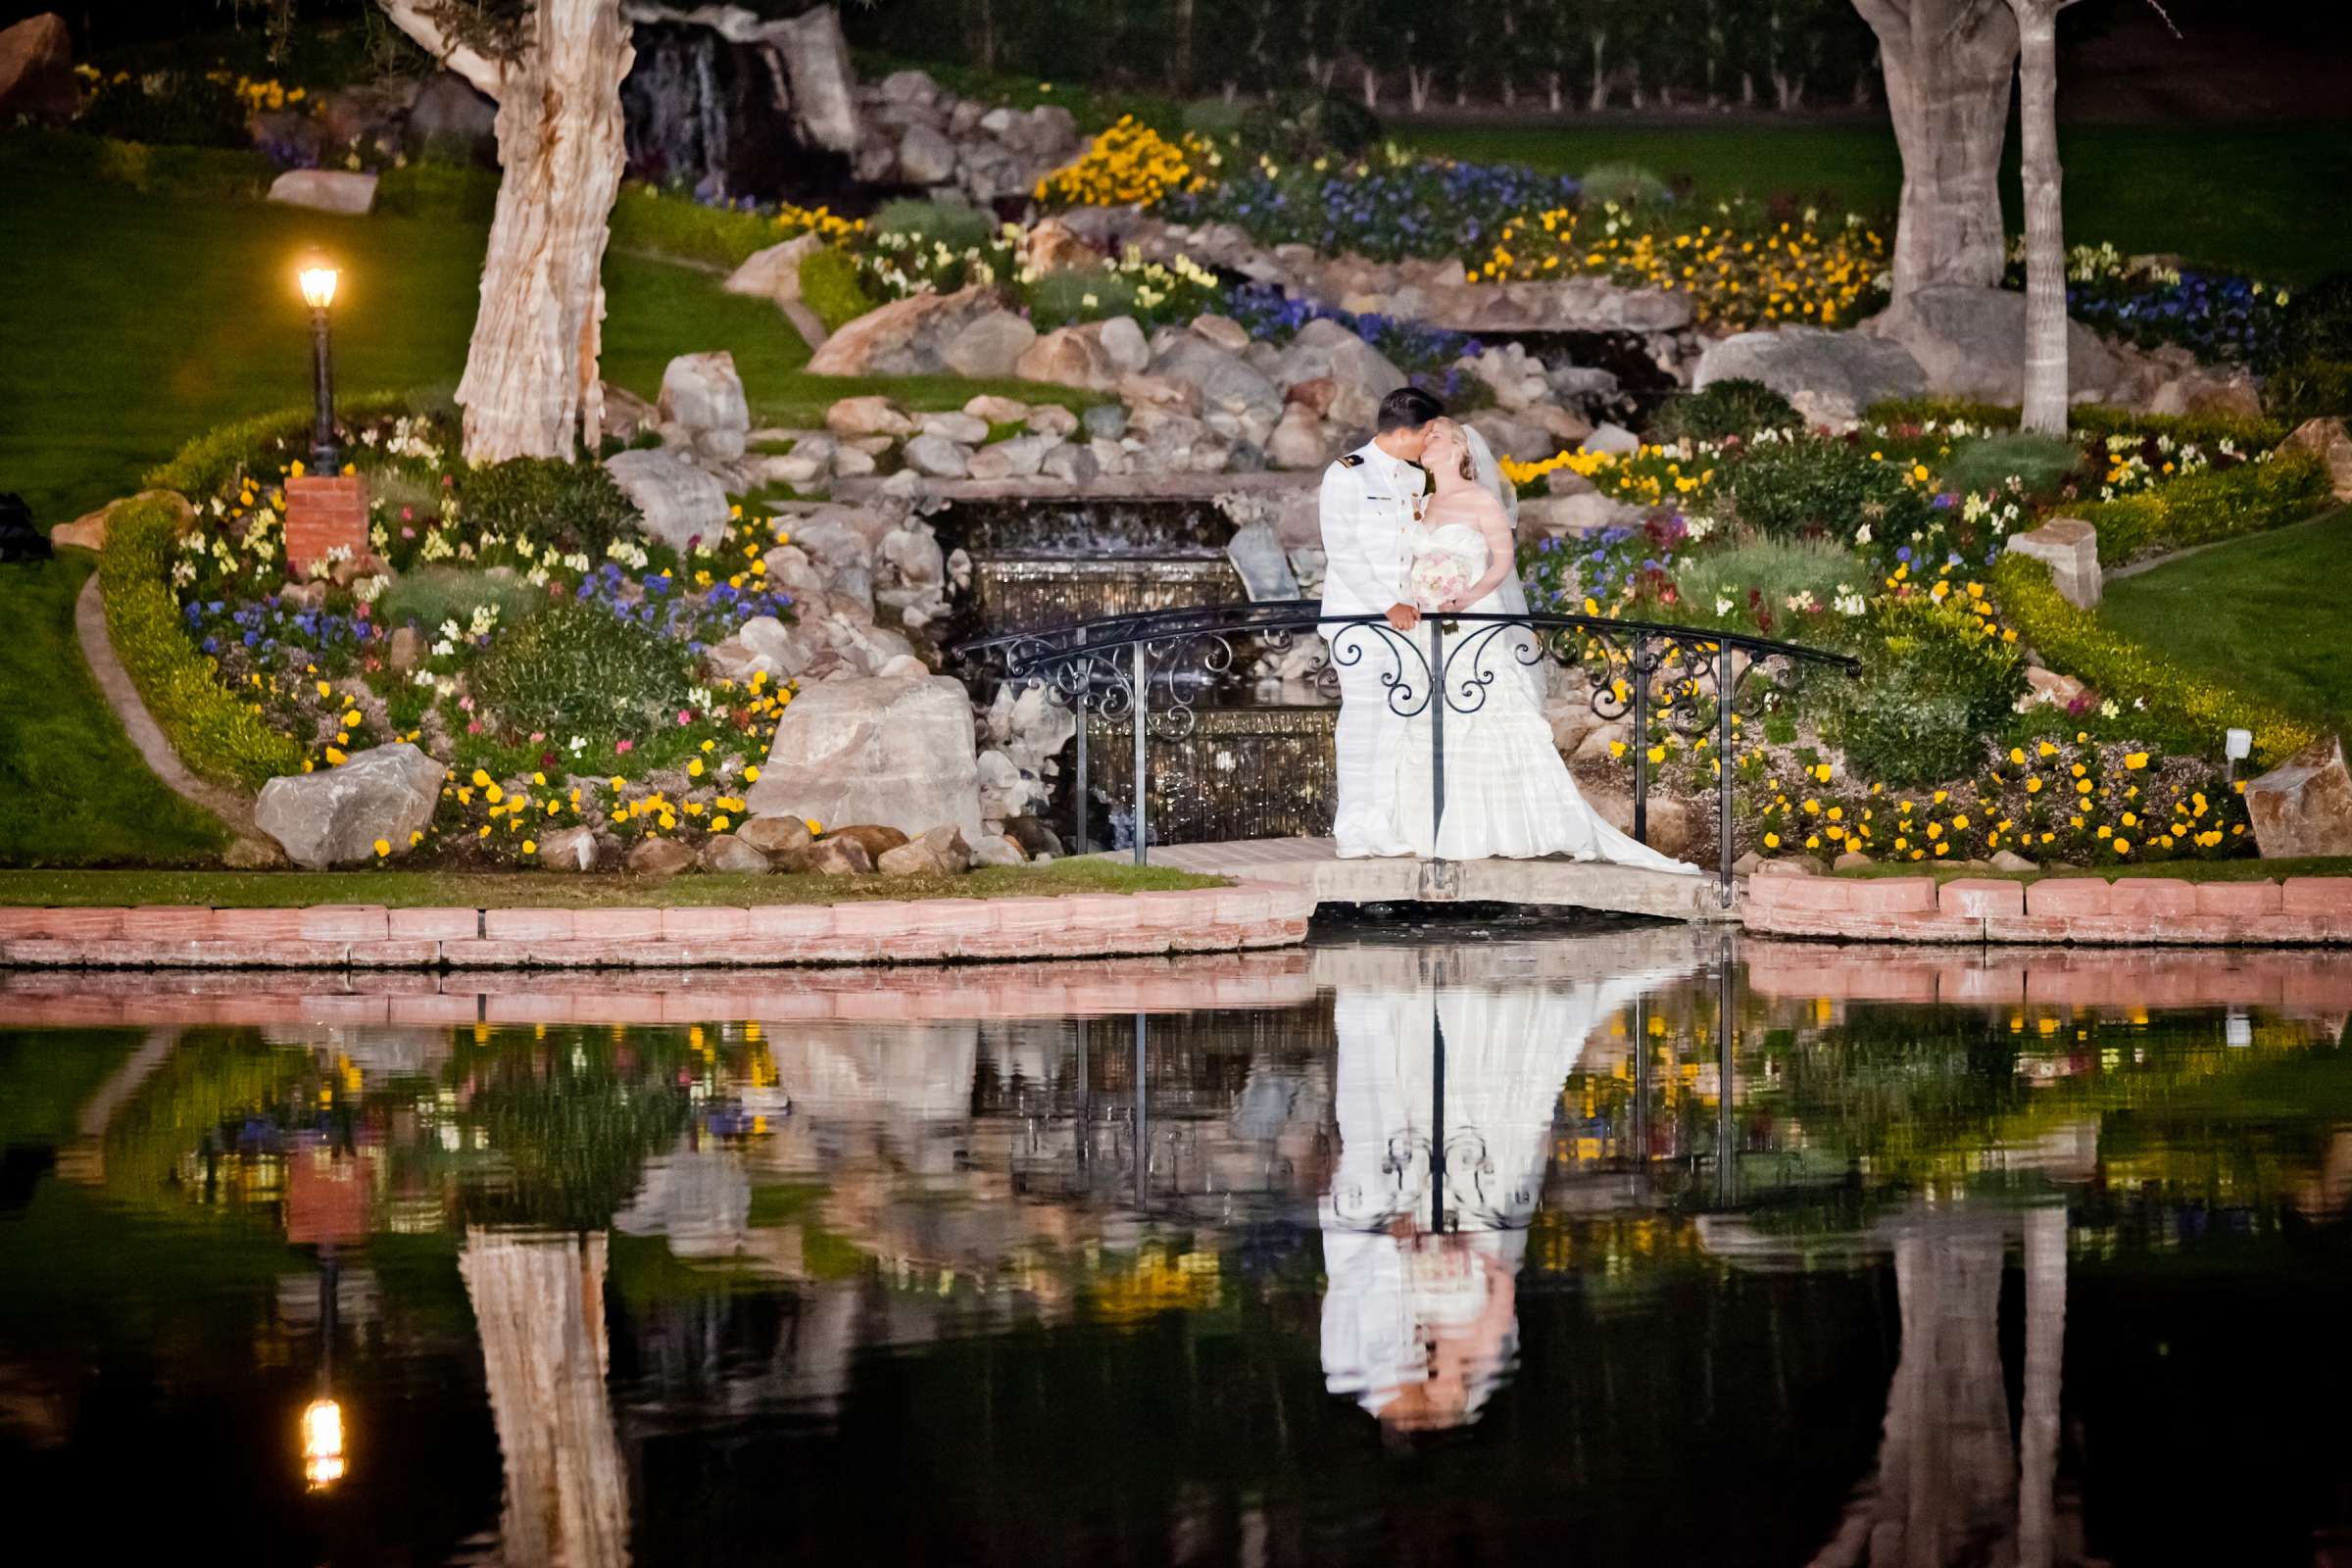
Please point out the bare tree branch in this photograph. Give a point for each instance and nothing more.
(415, 18)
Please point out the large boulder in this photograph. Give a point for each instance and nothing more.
(325, 190)
(1971, 342)
(1236, 400)
(2304, 804)
(990, 346)
(678, 502)
(2328, 441)
(36, 69)
(774, 273)
(1095, 353)
(338, 816)
(894, 751)
(824, 84)
(906, 337)
(2069, 548)
(1844, 373)
(1360, 374)
(702, 392)
(449, 116)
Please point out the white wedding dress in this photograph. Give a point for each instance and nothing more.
(1507, 793)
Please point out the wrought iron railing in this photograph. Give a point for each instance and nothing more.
(1634, 670)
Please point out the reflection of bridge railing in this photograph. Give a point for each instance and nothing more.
(1109, 668)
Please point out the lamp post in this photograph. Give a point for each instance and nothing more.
(318, 277)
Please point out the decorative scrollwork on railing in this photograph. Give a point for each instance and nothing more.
(1635, 671)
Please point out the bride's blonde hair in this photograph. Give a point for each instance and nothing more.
(1468, 464)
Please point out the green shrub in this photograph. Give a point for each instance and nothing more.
(209, 173)
(2203, 429)
(2310, 389)
(1303, 122)
(2076, 642)
(647, 220)
(174, 107)
(830, 286)
(1788, 489)
(1933, 687)
(951, 223)
(1215, 116)
(431, 595)
(2041, 463)
(450, 192)
(215, 734)
(1734, 406)
(2209, 504)
(1623, 183)
(259, 447)
(1941, 410)
(2319, 321)
(577, 669)
(576, 506)
(1775, 570)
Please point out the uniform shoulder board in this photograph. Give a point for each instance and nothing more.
(1353, 460)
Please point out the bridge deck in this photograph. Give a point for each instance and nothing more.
(1312, 864)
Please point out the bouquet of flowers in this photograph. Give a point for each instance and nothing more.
(1438, 576)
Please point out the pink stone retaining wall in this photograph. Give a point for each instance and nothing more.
(2129, 911)
(1249, 915)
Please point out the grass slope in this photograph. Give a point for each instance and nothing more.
(2261, 613)
(263, 890)
(136, 319)
(2264, 197)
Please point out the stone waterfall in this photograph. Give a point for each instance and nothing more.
(1257, 760)
(736, 107)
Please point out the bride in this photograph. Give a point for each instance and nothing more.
(1507, 793)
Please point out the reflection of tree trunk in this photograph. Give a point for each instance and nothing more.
(1947, 1473)
(2045, 1350)
(539, 1303)
(85, 1160)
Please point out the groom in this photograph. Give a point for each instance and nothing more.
(1367, 506)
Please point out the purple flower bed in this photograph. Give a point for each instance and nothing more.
(1425, 208)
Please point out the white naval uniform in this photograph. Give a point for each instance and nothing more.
(1367, 511)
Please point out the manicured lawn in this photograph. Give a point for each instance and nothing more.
(136, 319)
(2268, 612)
(557, 889)
(2264, 197)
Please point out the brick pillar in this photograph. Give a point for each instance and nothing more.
(324, 511)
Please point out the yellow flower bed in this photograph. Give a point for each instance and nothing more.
(1130, 162)
(793, 221)
(1738, 275)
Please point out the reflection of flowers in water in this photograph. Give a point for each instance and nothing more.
(1158, 1281)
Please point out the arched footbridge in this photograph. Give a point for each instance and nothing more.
(1155, 673)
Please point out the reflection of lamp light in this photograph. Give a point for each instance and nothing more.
(321, 1443)
(318, 277)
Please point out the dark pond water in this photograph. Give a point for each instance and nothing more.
(1589, 1249)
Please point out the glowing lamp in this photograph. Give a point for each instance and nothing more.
(318, 280)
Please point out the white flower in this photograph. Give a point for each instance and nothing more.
(2109, 710)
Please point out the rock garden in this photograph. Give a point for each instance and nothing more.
(717, 640)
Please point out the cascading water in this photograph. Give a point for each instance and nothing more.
(715, 115)
(1255, 762)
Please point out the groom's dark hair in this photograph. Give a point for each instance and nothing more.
(1408, 408)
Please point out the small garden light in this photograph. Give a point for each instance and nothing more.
(2237, 745)
(318, 277)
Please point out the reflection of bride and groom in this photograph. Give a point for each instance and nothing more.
(1444, 1100)
(1419, 524)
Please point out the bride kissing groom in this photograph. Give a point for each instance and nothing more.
(1417, 521)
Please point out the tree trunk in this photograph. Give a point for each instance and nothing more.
(1600, 75)
(2046, 234)
(530, 384)
(1947, 65)
(1180, 59)
(1555, 90)
(1371, 85)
